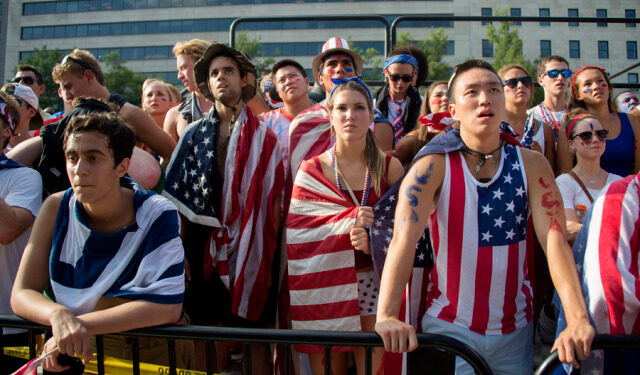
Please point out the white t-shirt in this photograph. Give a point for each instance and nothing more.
(572, 193)
(19, 187)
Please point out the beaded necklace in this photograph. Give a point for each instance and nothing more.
(367, 178)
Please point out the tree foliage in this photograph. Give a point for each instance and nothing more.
(371, 58)
(507, 47)
(434, 48)
(253, 48)
(122, 80)
(44, 60)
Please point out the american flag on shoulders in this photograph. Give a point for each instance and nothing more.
(606, 253)
(321, 259)
(309, 136)
(243, 250)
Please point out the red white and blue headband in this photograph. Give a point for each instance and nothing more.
(407, 59)
(573, 79)
(4, 112)
(337, 82)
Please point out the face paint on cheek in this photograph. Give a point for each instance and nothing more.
(296, 79)
(436, 101)
(604, 85)
(585, 143)
(348, 70)
(331, 71)
(587, 91)
(509, 89)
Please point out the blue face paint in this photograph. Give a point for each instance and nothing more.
(586, 91)
(348, 70)
(591, 126)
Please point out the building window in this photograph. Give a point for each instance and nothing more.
(632, 78)
(486, 12)
(632, 50)
(603, 49)
(516, 12)
(631, 14)
(487, 48)
(574, 49)
(601, 13)
(545, 48)
(544, 12)
(450, 48)
(573, 12)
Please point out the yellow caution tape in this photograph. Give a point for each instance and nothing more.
(112, 366)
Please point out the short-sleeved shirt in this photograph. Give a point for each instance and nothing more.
(572, 193)
(19, 187)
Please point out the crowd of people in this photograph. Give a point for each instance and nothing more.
(311, 208)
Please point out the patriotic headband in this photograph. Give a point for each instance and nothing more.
(337, 82)
(401, 59)
(573, 79)
(4, 112)
(573, 122)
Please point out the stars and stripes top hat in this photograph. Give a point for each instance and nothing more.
(332, 46)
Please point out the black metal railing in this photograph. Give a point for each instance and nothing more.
(617, 343)
(368, 340)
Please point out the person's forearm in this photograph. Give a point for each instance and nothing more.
(397, 268)
(130, 315)
(33, 305)
(565, 278)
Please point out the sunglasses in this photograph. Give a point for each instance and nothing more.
(25, 79)
(513, 82)
(566, 73)
(586, 136)
(68, 58)
(404, 77)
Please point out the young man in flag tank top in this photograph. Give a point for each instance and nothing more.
(476, 197)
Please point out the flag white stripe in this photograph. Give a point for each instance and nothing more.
(321, 263)
(330, 294)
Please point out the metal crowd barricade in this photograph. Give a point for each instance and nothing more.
(618, 343)
(368, 340)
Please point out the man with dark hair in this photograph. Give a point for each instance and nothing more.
(291, 84)
(399, 100)
(226, 178)
(553, 76)
(480, 194)
(106, 251)
(30, 118)
(30, 76)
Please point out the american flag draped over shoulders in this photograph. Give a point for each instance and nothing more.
(309, 136)
(321, 259)
(244, 242)
(606, 253)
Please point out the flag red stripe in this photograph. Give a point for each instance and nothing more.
(511, 289)
(324, 311)
(484, 267)
(329, 245)
(322, 279)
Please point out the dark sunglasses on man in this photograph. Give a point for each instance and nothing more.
(24, 79)
(588, 135)
(513, 82)
(566, 73)
(405, 77)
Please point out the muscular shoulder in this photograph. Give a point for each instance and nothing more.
(429, 168)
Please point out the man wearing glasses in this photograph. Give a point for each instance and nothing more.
(553, 76)
(30, 76)
(399, 101)
(30, 118)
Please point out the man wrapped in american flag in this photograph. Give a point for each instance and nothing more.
(226, 178)
(476, 200)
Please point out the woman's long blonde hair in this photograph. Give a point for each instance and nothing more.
(371, 151)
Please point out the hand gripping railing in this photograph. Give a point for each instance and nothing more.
(619, 343)
(368, 340)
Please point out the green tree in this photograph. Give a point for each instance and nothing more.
(121, 79)
(371, 58)
(44, 60)
(434, 48)
(253, 48)
(507, 47)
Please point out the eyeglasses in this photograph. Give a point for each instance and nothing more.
(588, 135)
(405, 77)
(566, 73)
(27, 80)
(513, 82)
(68, 58)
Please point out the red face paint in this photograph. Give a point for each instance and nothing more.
(604, 85)
(436, 101)
(555, 226)
(331, 71)
(541, 181)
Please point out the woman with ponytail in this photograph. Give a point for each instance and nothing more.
(591, 90)
(331, 279)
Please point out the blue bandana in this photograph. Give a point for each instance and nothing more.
(337, 82)
(6, 163)
(408, 59)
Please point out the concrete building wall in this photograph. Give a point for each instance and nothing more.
(467, 36)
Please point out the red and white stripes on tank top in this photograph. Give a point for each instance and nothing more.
(478, 232)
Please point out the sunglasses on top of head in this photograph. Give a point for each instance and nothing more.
(586, 136)
(404, 77)
(566, 73)
(25, 79)
(513, 82)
